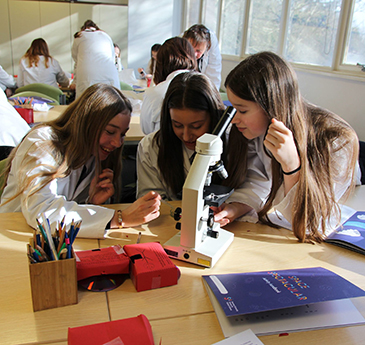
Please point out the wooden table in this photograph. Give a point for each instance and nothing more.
(180, 314)
(134, 134)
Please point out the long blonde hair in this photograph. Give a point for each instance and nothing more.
(75, 136)
(266, 79)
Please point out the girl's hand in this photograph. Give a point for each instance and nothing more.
(280, 142)
(101, 187)
(141, 211)
(227, 213)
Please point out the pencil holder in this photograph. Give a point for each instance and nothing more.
(53, 283)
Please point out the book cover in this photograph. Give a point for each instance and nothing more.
(351, 234)
(246, 293)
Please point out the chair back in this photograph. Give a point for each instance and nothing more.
(46, 89)
(36, 94)
(125, 86)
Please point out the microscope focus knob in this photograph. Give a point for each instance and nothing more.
(210, 221)
(177, 213)
(178, 226)
(213, 234)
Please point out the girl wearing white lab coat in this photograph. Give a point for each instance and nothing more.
(175, 56)
(192, 106)
(38, 66)
(289, 160)
(70, 166)
(94, 56)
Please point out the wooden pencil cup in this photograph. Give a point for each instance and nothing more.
(53, 283)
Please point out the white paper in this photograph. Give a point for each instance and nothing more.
(246, 337)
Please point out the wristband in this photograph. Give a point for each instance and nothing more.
(120, 220)
(293, 171)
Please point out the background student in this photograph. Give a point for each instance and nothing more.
(152, 63)
(7, 82)
(38, 66)
(284, 153)
(175, 56)
(118, 61)
(94, 56)
(207, 52)
(72, 165)
(192, 107)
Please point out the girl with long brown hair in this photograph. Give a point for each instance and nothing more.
(72, 165)
(289, 161)
(38, 66)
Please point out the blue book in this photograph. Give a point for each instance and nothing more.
(351, 234)
(247, 293)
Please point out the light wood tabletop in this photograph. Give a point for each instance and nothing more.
(179, 314)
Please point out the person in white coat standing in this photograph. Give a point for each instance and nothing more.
(94, 56)
(207, 52)
(72, 165)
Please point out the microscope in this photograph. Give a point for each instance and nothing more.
(201, 240)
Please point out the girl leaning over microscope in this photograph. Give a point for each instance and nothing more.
(192, 106)
(290, 161)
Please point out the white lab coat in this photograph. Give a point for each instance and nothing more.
(6, 80)
(212, 62)
(152, 103)
(94, 56)
(256, 188)
(148, 174)
(13, 127)
(59, 197)
(53, 75)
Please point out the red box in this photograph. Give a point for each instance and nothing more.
(151, 268)
(132, 331)
(96, 262)
(26, 114)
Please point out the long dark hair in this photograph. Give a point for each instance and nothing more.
(87, 25)
(190, 90)
(174, 54)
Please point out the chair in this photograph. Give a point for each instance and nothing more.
(36, 94)
(223, 96)
(51, 91)
(2, 176)
(125, 86)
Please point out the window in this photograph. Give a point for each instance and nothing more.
(328, 34)
(312, 31)
(355, 52)
(264, 28)
(232, 26)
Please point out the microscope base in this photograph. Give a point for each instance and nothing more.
(208, 252)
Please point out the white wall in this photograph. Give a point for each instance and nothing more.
(150, 22)
(341, 95)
